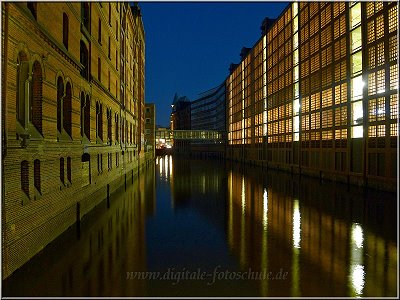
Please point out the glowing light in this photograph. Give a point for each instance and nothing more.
(358, 279)
(296, 224)
(357, 235)
(357, 273)
(265, 210)
(161, 165)
(243, 196)
(168, 146)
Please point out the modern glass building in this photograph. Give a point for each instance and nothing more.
(318, 93)
(208, 112)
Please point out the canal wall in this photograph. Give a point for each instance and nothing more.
(31, 226)
(324, 164)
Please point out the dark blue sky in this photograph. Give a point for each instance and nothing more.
(189, 46)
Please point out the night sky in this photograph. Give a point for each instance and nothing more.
(189, 46)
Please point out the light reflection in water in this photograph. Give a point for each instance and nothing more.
(170, 165)
(296, 248)
(357, 273)
(161, 166)
(157, 160)
(166, 168)
(265, 210)
(243, 196)
(296, 224)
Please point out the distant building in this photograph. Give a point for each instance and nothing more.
(208, 111)
(149, 125)
(180, 116)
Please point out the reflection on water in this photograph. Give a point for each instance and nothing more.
(318, 239)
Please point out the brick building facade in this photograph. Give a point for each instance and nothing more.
(72, 115)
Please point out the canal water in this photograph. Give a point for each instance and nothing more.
(212, 228)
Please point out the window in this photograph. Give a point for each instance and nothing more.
(147, 120)
(22, 77)
(84, 60)
(36, 174)
(99, 120)
(85, 14)
(62, 170)
(60, 95)
(109, 126)
(36, 97)
(99, 69)
(25, 177)
(82, 114)
(32, 6)
(99, 37)
(65, 30)
(67, 110)
(86, 121)
(116, 127)
(69, 167)
(109, 47)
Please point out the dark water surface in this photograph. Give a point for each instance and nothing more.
(209, 228)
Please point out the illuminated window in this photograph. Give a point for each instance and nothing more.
(371, 31)
(355, 15)
(394, 129)
(393, 48)
(357, 113)
(356, 63)
(371, 83)
(394, 77)
(393, 19)
(380, 109)
(355, 39)
(370, 9)
(357, 131)
(380, 54)
(393, 107)
(372, 110)
(379, 27)
(371, 57)
(380, 81)
(357, 86)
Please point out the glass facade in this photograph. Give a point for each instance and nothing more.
(319, 90)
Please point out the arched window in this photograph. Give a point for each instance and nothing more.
(62, 179)
(85, 15)
(60, 95)
(36, 174)
(36, 97)
(87, 117)
(25, 177)
(22, 77)
(67, 110)
(65, 30)
(84, 60)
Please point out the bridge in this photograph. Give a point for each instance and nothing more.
(189, 135)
